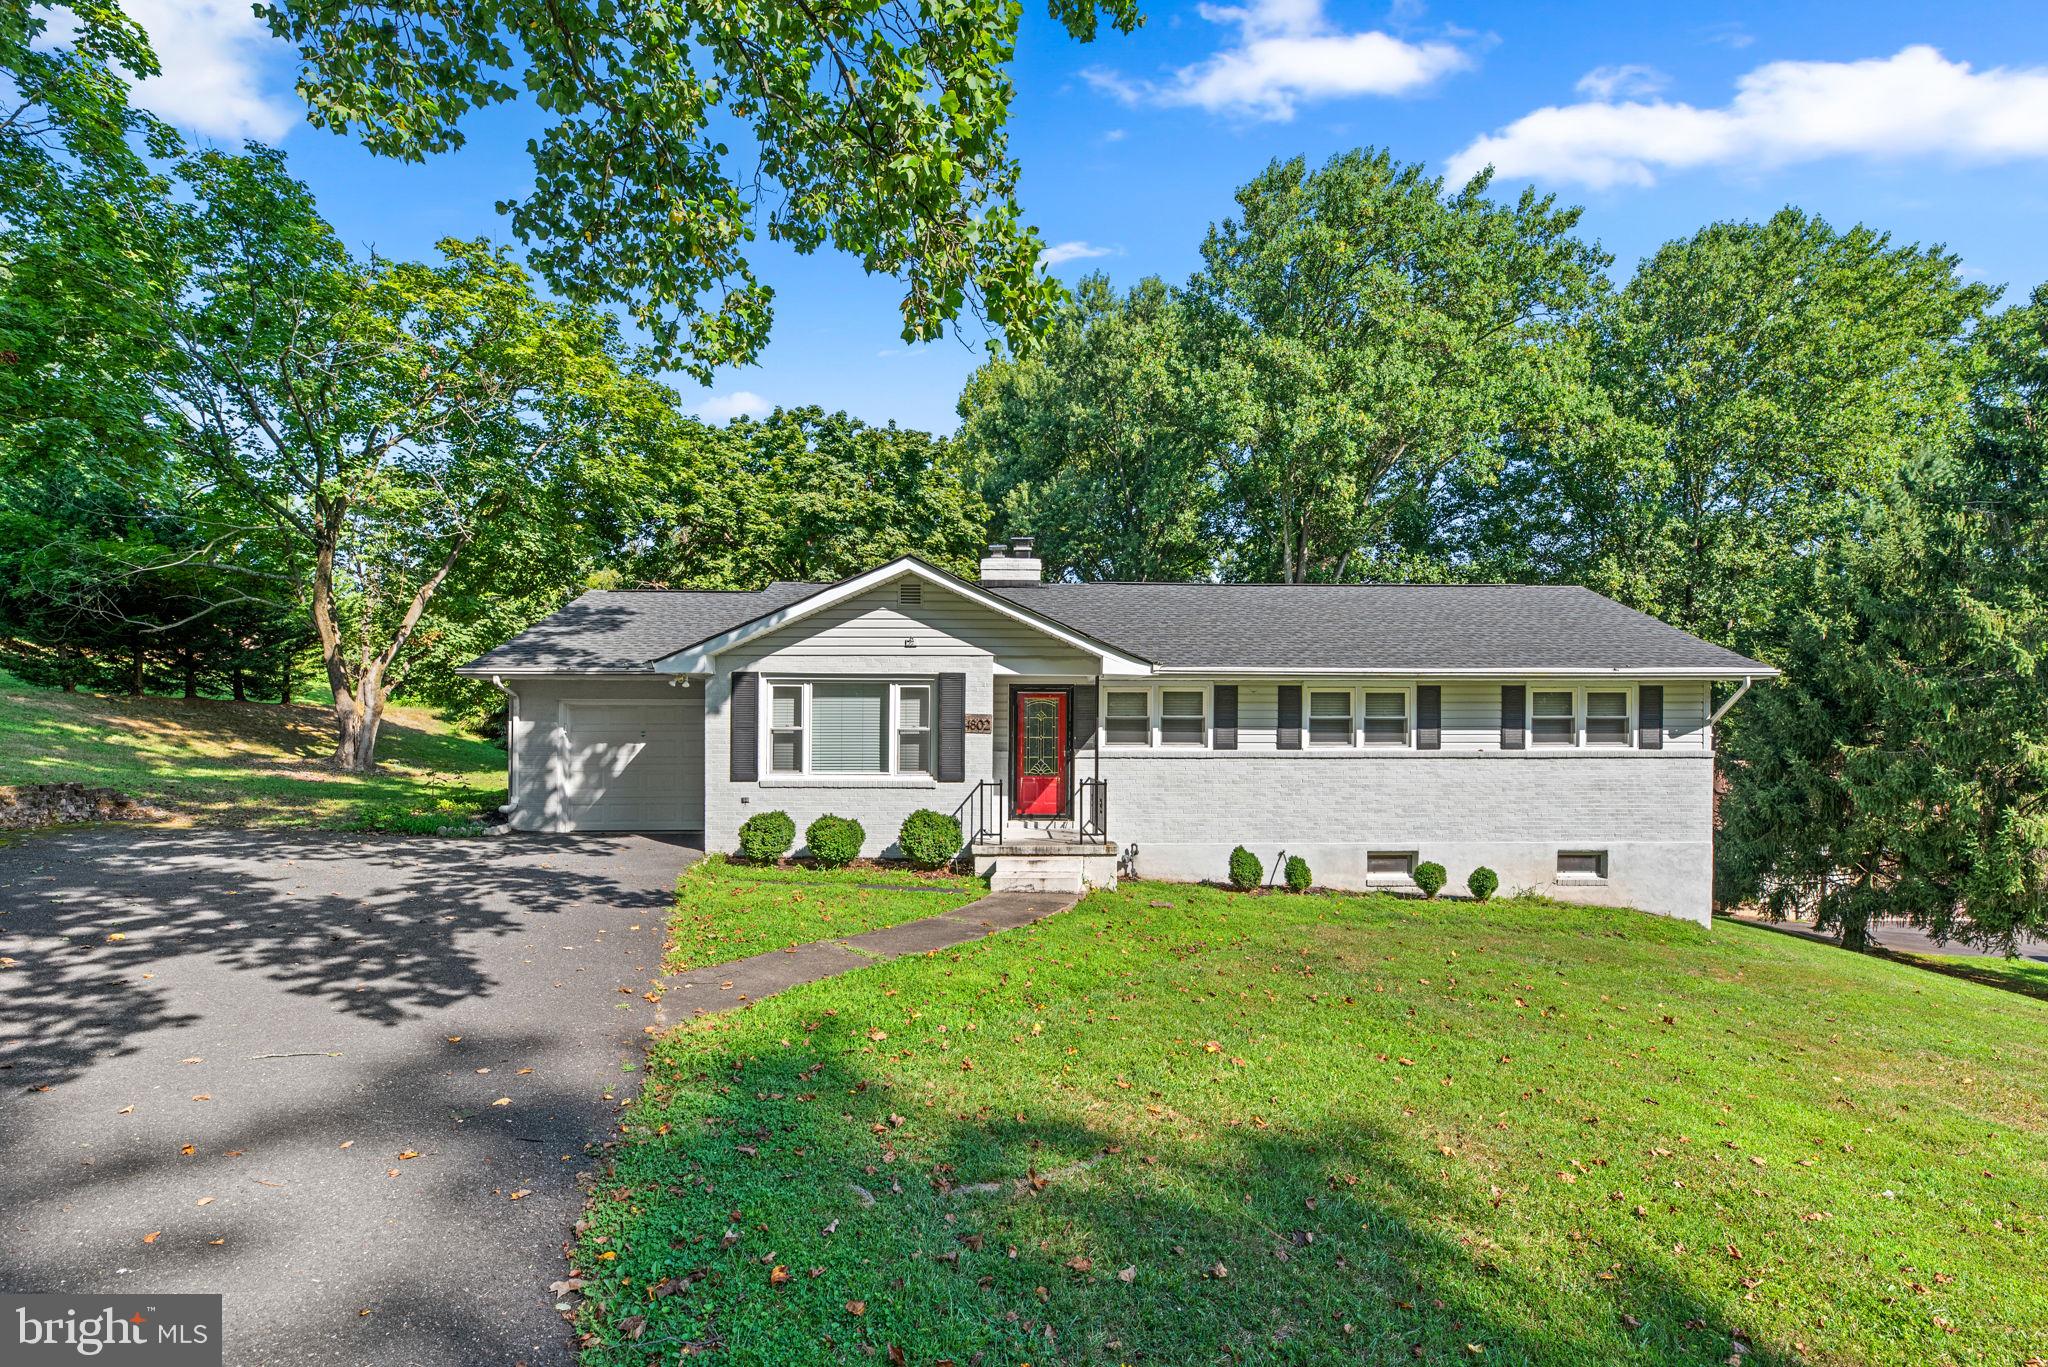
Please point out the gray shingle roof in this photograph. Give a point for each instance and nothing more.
(1417, 627)
(605, 631)
(1394, 627)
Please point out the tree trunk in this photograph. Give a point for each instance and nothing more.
(284, 683)
(241, 694)
(191, 679)
(356, 726)
(135, 667)
(67, 662)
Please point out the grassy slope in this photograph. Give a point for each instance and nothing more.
(728, 910)
(1516, 1133)
(2026, 976)
(226, 763)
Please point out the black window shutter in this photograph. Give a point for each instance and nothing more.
(1226, 716)
(1429, 717)
(746, 727)
(1514, 700)
(1289, 736)
(952, 728)
(1650, 716)
(1081, 725)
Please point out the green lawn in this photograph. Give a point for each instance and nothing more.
(243, 764)
(2026, 976)
(728, 909)
(1179, 1125)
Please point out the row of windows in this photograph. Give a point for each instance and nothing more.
(843, 726)
(1398, 866)
(1353, 718)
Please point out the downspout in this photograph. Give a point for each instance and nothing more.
(1733, 699)
(511, 744)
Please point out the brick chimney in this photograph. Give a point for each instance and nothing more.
(1016, 563)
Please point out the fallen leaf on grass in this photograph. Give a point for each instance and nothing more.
(777, 1275)
(1128, 1275)
(521, 1194)
(1079, 1263)
(407, 1153)
(856, 1308)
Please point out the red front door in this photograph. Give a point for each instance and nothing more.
(1040, 747)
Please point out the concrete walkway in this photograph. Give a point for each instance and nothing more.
(730, 986)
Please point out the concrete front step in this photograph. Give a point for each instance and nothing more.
(1038, 873)
(1039, 866)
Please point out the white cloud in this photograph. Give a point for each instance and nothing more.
(1115, 135)
(741, 403)
(1288, 53)
(1632, 80)
(1059, 253)
(1917, 103)
(214, 55)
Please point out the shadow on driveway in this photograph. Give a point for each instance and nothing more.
(317, 1069)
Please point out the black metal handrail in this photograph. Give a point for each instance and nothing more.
(981, 812)
(1091, 808)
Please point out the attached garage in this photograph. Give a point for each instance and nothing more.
(630, 766)
(594, 754)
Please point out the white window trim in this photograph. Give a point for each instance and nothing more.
(892, 729)
(1156, 744)
(1579, 692)
(1357, 742)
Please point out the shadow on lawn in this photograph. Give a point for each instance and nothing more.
(372, 926)
(1336, 1249)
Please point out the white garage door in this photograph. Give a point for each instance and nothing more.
(630, 766)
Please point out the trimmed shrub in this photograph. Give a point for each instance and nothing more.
(1483, 883)
(1430, 878)
(834, 841)
(766, 836)
(1297, 874)
(929, 839)
(1246, 872)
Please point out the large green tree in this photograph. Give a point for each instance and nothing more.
(391, 420)
(876, 127)
(1901, 765)
(806, 495)
(1755, 376)
(1106, 440)
(1371, 332)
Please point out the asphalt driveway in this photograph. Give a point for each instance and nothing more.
(347, 1081)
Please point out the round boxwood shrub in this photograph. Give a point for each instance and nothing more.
(1483, 883)
(1246, 872)
(766, 836)
(1297, 874)
(834, 841)
(1430, 878)
(929, 839)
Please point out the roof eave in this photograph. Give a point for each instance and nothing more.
(699, 657)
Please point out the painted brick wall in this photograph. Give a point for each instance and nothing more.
(1653, 814)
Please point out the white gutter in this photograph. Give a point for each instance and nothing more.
(1733, 698)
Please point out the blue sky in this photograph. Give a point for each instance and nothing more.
(1928, 121)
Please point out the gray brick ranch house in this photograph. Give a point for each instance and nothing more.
(1082, 730)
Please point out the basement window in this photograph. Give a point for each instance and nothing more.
(1390, 866)
(1581, 866)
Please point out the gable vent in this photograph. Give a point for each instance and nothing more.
(910, 592)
